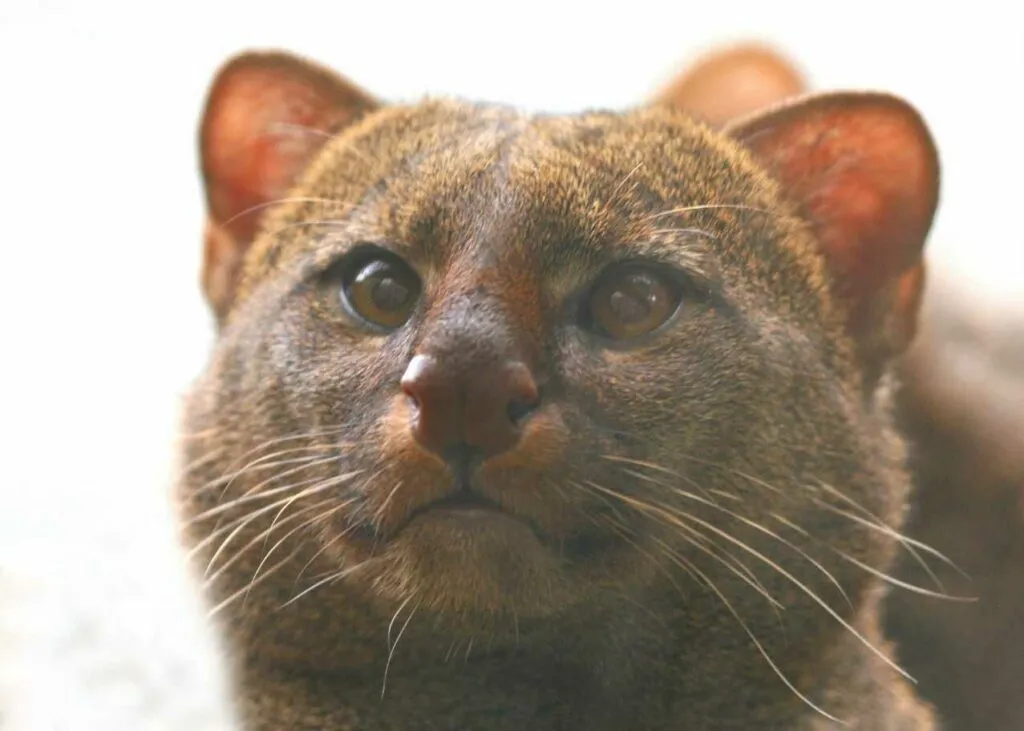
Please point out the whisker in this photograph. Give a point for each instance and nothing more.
(198, 462)
(628, 539)
(394, 617)
(766, 531)
(262, 464)
(764, 653)
(315, 556)
(263, 535)
(739, 569)
(254, 493)
(808, 592)
(245, 589)
(390, 654)
(281, 440)
(337, 576)
(800, 448)
(709, 207)
(909, 543)
(277, 202)
(689, 458)
(268, 554)
(391, 647)
(694, 231)
(697, 540)
(651, 466)
(885, 577)
(746, 521)
(258, 465)
(676, 519)
(902, 584)
(237, 527)
(818, 565)
(384, 504)
(247, 498)
(790, 524)
(323, 549)
(701, 577)
(625, 179)
(246, 519)
(305, 524)
(240, 522)
(308, 222)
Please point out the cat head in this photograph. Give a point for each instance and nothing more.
(492, 364)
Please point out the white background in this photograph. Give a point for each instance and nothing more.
(100, 205)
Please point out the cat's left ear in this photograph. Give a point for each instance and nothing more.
(267, 114)
(862, 168)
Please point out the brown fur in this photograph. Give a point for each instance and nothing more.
(659, 500)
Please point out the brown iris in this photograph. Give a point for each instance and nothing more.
(383, 291)
(631, 301)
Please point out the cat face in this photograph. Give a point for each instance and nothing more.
(500, 365)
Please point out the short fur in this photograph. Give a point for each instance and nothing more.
(694, 525)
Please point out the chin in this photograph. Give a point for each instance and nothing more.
(475, 565)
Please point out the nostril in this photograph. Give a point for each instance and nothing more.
(519, 408)
(522, 392)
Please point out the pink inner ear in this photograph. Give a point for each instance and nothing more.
(863, 169)
(266, 117)
(852, 232)
(248, 160)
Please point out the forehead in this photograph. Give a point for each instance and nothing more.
(444, 180)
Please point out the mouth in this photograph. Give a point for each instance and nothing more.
(472, 508)
(465, 510)
(463, 500)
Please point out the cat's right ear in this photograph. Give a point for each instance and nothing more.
(266, 116)
(863, 170)
(732, 82)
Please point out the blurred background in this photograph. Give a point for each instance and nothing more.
(101, 206)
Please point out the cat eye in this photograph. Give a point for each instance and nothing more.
(632, 300)
(381, 289)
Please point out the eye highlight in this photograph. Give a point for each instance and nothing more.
(380, 288)
(632, 300)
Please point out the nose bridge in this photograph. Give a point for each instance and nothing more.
(488, 309)
(469, 329)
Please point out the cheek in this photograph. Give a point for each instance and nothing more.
(690, 378)
(330, 369)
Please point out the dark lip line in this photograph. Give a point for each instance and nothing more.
(459, 498)
(455, 499)
(466, 497)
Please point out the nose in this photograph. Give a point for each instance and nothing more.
(481, 408)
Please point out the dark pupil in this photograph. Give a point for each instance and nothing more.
(633, 301)
(389, 294)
